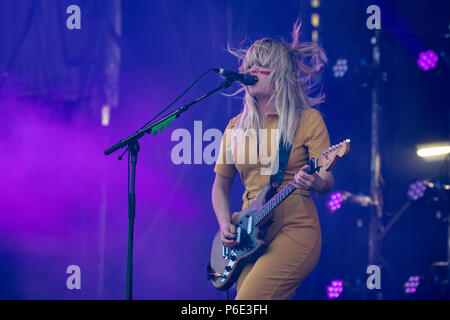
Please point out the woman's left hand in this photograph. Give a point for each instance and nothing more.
(311, 182)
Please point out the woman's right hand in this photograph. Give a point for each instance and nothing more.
(228, 234)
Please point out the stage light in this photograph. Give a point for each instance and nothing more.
(315, 19)
(315, 35)
(416, 190)
(427, 60)
(315, 3)
(340, 68)
(335, 289)
(105, 115)
(335, 201)
(433, 151)
(412, 284)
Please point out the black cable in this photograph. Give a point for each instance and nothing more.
(176, 99)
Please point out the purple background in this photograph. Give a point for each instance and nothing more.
(63, 202)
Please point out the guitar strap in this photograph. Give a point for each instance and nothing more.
(275, 181)
(283, 157)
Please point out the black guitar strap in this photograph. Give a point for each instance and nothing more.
(283, 157)
(275, 180)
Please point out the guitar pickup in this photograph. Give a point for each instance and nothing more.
(249, 225)
(238, 236)
(225, 252)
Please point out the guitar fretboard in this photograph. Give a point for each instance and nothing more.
(270, 205)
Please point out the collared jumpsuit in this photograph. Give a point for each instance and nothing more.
(294, 236)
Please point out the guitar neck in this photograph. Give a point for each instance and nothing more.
(325, 162)
(266, 211)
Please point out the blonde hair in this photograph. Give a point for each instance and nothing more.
(294, 69)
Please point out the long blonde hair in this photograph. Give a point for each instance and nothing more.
(294, 66)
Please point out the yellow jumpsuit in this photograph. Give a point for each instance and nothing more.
(294, 236)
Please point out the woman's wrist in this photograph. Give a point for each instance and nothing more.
(323, 186)
(225, 220)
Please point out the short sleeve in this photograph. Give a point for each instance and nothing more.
(317, 139)
(225, 161)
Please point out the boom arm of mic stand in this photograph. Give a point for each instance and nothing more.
(163, 122)
(133, 148)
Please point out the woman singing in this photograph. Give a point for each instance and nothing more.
(278, 101)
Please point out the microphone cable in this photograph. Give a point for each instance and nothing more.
(176, 99)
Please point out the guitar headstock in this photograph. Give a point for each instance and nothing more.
(330, 156)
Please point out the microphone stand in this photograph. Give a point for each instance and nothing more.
(132, 147)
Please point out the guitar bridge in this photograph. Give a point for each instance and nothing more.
(216, 275)
(210, 273)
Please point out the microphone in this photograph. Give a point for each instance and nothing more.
(244, 78)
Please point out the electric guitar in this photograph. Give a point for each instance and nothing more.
(226, 263)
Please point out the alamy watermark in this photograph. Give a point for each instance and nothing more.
(74, 20)
(238, 148)
(374, 20)
(374, 280)
(74, 280)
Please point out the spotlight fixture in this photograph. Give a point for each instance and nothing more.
(416, 190)
(427, 60)
(340, 68)
(412, 284)
(106, 115)
(315, 3)
(335, 201)
(335, 289)
(435, 150)
(315, 18)
(315, 35)
(337, 198)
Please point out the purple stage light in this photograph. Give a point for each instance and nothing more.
(340, 68)
(335, 289)
(427, 60)
(335, 201)
(412, 284)
(416, 190)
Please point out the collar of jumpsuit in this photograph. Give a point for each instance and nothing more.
(260, 169)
